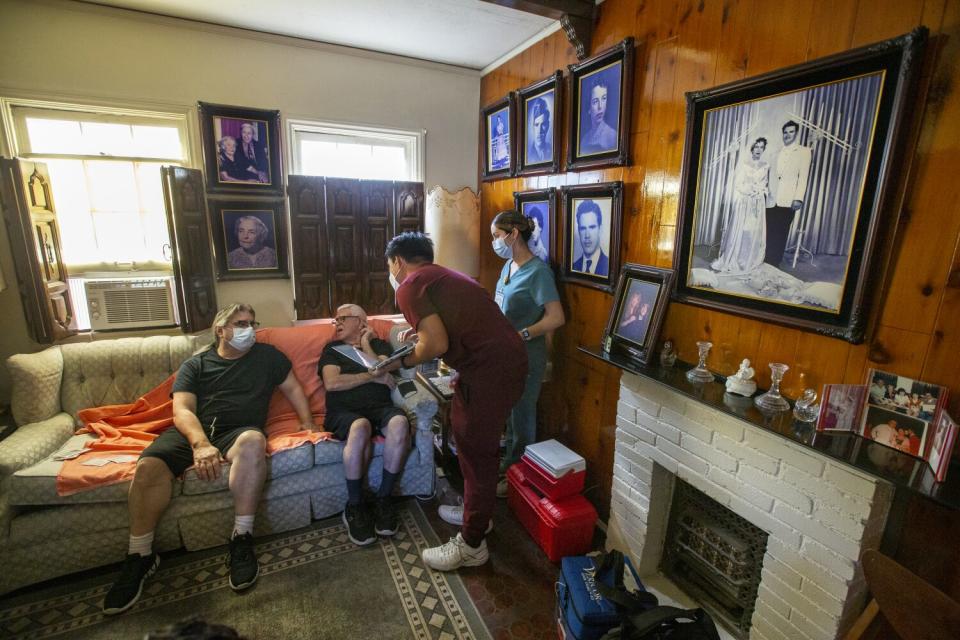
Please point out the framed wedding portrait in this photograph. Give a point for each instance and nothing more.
(250, 239)
(541, 207)
(789, 197)
(241, 149)
(499, 143)
(591, 230)
(599, 120)
(640, 304)
(538, 139)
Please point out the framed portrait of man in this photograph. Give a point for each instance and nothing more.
(249, 239)
(539, 137)
(540, 206)
(241, 149)
(499, 143)
(640, 304)
(592, 215)
(789, 196)
(600, 90)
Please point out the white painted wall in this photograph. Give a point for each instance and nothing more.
(67, 50)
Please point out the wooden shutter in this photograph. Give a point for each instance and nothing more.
(378, 218)
(409, 207)
(308, 230)
(190, 240)
(27, 204)
(345, 241)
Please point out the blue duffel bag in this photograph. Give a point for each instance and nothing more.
(591, 596)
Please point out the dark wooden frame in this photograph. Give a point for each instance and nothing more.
(554, 82)
(622, 52)
(615, 343)
(218, 206)
(612, 190)
(510, 102)
(207, 112)
(550, 195)
(886, 174)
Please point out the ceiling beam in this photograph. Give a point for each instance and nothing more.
(576, 17)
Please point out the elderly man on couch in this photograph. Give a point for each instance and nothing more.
(220, 401)
(359, 404)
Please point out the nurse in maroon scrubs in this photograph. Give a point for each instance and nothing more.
(456, 319)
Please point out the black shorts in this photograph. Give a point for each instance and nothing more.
(176, 452)
(338, 422)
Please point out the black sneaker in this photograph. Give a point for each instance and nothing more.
(359, 527)
(385, 523)
(242, 560)
(126, 590)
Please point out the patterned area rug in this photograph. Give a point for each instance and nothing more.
(314, 583)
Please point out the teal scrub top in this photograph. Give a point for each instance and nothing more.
(523, 299)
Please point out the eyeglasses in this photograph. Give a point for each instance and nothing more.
(243, 324)
(342, 319)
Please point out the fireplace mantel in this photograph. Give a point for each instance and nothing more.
(900, 469)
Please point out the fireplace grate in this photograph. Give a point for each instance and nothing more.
(715, 555)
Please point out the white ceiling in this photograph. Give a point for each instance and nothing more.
(467, 33)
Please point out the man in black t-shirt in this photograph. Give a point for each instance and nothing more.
(220, 401)
(359, 404)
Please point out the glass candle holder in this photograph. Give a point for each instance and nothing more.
(772, 401)
(700, 373)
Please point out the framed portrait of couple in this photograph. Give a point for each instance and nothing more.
(249, 239)
(792, 185)
(640, 304)
(498, 140)
(241, 149)
(600, 99)
(540, 206)
(591, 234)
(539, 138)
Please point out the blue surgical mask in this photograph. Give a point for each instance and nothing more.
(502, 249)
(243, 338)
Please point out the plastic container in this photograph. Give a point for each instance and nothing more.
(546, 483)
(554, 458)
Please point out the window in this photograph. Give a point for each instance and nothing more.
(346, 151)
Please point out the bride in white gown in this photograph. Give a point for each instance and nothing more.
(743, 243)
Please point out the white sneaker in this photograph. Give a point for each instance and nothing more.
(453, 514)
(455, 554)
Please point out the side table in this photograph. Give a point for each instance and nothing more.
(444, 395)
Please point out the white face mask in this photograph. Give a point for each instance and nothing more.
(393, 282)
(502, 249)
(243, 338)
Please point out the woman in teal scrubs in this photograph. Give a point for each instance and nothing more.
(527, 295)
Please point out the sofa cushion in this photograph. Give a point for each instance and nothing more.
(37, 484)
(279, 464)
(36, 385)
(32, 442)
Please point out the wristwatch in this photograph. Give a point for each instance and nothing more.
(525, 334)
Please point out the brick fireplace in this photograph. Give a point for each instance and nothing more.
(818, 513)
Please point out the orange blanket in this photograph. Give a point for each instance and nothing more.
(130, 428)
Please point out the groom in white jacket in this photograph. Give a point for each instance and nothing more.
(793, 170)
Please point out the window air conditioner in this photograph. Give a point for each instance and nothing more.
(130, 303)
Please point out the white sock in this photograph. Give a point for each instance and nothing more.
(242, 525)
(142, 545)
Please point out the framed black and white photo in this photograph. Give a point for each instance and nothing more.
(591, 232)
(791, 188)
(498, 140)
(600, 94)
(241, 149)
(639, 306)
(249, 239)
(541, 207)
(539, 137)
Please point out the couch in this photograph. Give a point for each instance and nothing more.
(44, 535)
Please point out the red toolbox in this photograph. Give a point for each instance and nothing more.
(562, 527)
(569, 484)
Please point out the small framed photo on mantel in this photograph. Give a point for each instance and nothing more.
(600, 99)
(498, 139)
(591, 232)
(241, 149)
(639, 307)
(538, 133)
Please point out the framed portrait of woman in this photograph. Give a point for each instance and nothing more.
(540, 206)
(792, 186)
(640, 304)
(600, 99)
(591, 222)
(538, 133)
(498, 139)
(249, 239)
(241, 149)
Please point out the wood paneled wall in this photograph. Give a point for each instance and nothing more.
(688, 45)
